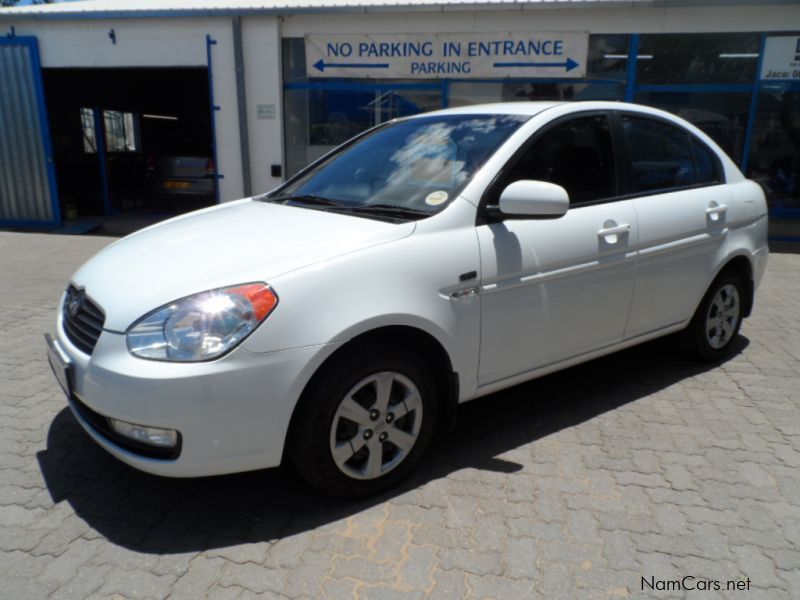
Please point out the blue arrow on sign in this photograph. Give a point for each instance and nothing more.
(569, 64)
(321, 65)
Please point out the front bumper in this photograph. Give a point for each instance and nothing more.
(232, 413)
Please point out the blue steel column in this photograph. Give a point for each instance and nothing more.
(633, 53)
(44, 125)
(214, 109)
(751, 119)
(102, 157)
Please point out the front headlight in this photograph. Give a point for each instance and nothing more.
(203, 326)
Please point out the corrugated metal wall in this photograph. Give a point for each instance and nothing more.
(25, 194)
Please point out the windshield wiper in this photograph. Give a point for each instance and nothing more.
(389, 209)
(305, 199)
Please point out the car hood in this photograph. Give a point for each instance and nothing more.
(225, 245)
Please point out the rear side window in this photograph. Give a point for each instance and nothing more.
(706, 164)
(577, 155)
(665, 157)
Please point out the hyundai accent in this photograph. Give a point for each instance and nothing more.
(338, 321)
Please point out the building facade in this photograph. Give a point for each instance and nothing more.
(96, 94)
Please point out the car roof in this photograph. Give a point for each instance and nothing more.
(498, 108)
(534, 108)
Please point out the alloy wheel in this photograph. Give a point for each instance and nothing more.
(376, 425)
(723, 316)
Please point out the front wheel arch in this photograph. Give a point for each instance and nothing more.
(410, 338)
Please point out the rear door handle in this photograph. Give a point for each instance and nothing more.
(616, 230)
(717, 210)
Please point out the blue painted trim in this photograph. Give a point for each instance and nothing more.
(350, 85)
(214, 109)
(701, 88)
(19, 40)
(630, 73)
(767, 82)
(102, 158)
(784, 238)
(28, 224)
(538, 80)
(785, 213)
(755, 90)
(361, 87)
(445, 94)
(32, 44)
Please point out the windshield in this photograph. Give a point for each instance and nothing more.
(417, 165)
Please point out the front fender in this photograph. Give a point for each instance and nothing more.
(406, 282)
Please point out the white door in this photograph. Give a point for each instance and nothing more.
(556, 288)
(682, 221)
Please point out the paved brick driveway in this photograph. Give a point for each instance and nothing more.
(573, 486)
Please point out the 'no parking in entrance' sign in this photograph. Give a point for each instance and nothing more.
(440, 56)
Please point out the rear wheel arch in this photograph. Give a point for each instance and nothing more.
(743, 268)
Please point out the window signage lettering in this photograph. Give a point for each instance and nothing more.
(781, 58)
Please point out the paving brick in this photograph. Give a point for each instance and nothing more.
(660, 468)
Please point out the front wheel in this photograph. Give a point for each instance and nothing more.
(716, 323)
(365, 422)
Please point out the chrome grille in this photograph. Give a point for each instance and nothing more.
(83, 319)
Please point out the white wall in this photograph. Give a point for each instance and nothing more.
(262, 67)
(154, 43)
(617, 19)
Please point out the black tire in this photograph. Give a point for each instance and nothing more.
(703, 338)
(310, 439)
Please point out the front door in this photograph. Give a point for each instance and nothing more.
(557, 288)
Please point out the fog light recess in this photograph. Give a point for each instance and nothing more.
(152, 436)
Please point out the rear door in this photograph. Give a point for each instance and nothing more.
(28, 196)
(682, 206)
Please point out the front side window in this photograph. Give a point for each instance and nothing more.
(418, 164)
(665, 156)
(577, 155)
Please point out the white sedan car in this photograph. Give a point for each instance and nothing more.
(338, 321)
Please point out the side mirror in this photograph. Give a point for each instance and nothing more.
(533, 199)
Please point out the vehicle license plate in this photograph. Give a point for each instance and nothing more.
(62, 368)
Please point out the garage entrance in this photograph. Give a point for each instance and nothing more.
(131, 140)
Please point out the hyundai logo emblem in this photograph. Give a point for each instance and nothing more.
(75, 302)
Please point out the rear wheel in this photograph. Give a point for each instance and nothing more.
(364, 422)
(716, 323)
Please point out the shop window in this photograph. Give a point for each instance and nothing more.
(576, 155)
(87, 125)
(775, 155)
(122, 131)
(697, 58)
(722, 116)
(294, 59)
(608, 57)
(466, 93)
(319, 120)
(660, 153)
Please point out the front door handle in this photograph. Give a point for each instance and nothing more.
(616, 230)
